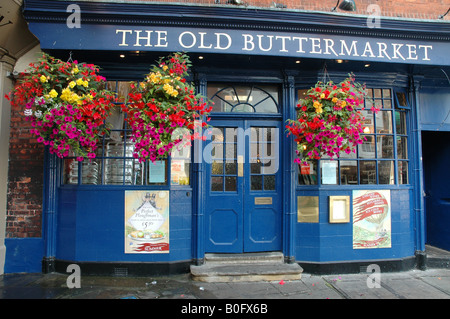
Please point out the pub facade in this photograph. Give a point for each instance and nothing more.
(239, 190)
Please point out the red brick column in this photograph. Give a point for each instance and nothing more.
(25, 180)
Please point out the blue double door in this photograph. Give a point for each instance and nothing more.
(243, 199)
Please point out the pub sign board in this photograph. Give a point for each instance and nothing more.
(246, 42)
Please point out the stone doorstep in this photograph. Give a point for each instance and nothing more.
(263, 257)
(245, 267)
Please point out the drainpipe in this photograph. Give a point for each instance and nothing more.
(419, 211)
(288, 173)
(198, 189)
(49, 218)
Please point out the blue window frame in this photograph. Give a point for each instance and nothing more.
(382, 159)
(243, 98)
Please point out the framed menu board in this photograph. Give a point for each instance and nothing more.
(146, 222)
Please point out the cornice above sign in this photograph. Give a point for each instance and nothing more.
(228, 17)
(107, 26)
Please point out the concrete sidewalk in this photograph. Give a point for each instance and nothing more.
(414, 284)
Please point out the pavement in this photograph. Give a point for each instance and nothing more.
(413, 284)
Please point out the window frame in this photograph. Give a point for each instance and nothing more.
(102, 159)
(235, 86)
(377, 158)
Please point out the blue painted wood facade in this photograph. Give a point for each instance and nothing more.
(85, 223)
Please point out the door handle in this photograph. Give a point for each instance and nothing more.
(240, 165)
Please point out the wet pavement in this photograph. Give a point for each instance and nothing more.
(413, 284)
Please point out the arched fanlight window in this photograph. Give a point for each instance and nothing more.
(244, 99)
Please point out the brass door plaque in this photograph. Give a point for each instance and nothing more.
(240, 160)
(263, 200)
(308, 209)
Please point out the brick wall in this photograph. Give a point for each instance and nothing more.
(410, 9)
(25, 180)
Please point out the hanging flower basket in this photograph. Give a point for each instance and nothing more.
(66, 104)
(329, 120)
(163, 103)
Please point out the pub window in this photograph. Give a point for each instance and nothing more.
(381, 159)
(114, 163)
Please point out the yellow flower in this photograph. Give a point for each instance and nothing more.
(142, 85)
(319, 110)
(69, 96)
(43, 78)
(65, 94)
(80, 82)
(174, 93)
(343, 104)
(85, 84)
(317, 104)
(75, 70)
(53, 93)
(154, 77)
(322, 96)
(334, 100)
(168, 88)
(165, 68)
(72, 84)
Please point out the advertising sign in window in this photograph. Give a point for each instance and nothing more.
(371, 219)
(146, 222)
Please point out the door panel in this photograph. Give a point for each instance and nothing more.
(243, 177)
(262, 216)
(224, 191)
(228, 219)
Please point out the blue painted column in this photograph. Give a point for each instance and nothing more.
(419, 211)
(49, 211)
(199, 190)
(289, 206)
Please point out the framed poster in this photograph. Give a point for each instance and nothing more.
(371, 219)
(339, 209)
(146, 222)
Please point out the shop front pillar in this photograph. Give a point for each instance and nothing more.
(419, 205)
(49, 212)
(199, 189)
(289, 206)
(6, 84)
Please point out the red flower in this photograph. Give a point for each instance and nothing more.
(323, 123)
